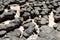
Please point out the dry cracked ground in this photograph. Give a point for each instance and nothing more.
(29, 19)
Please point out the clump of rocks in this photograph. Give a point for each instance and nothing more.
(32, 22)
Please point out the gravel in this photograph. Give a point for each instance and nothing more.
(29, 20)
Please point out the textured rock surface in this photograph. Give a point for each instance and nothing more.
(29, 19)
